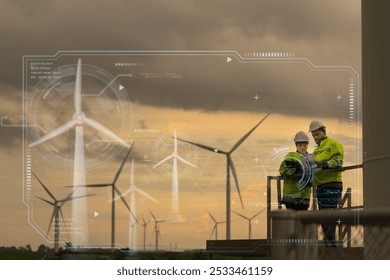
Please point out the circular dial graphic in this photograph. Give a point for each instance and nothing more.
(78, 95)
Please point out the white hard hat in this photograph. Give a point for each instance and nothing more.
(301, 136)
(314, 125)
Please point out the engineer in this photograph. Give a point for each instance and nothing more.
(328, 155)
(296, 167)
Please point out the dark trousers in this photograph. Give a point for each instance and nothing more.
(328, 197)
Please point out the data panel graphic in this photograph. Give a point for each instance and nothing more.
(145, 149)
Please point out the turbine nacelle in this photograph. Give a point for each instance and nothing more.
(79, 118)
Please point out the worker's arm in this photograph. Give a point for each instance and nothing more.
(336, 157)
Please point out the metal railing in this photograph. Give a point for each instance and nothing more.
(294, 234)
(362, 233)
(347, 198)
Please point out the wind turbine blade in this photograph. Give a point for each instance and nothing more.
(102, 129)
(76, 197)
(235, 179)
(211, 216)
(186, 162)
(240, 215)
(215, 150)
(258, 214)
(162, 161)
(145, 224)
(66, 198)
(122, 164)
(77, 89)
(58, 131)
(43, 185)
(125, 202)
(91, 186)
(213, 231)
(136, 190)
(146, 195)
(151, 213)
(124, 194)
(49, 202)
(243, 138)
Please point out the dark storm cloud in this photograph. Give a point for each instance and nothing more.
(328, 32)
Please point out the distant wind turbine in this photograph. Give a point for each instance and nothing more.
(157, 228)
(215, 228)
(79, 208)
(229, 167)
(57, 211)
(114, 190)
(133, 190)
(175, 181)
(249, 221)
(145, 224)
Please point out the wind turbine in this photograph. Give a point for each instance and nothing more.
(114, 190)
(79, 209)
(145, 224)
(229, 167)
(133, 189)
(57, 211)
(249, 221)
(157, 228)
(175, 181)
(215, 228)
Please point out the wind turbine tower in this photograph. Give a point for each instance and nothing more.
(145, 224)
(79, 119)
(157, 228)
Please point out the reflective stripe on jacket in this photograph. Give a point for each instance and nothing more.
(331, 153)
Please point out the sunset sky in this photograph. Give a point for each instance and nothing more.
(205, 98)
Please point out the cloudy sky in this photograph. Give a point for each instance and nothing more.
(325, 32)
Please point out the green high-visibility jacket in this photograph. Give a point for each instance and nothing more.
(329, 153)
(296, 169)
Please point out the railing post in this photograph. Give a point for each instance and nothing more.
(268, 208)
(314, 193)
(279, 192)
